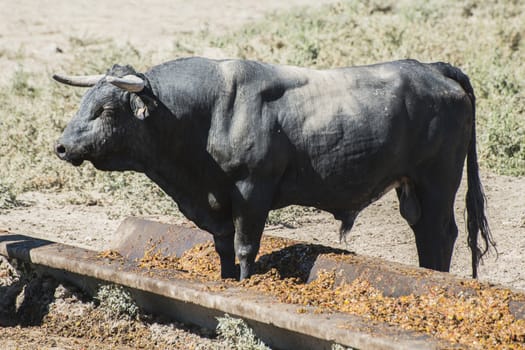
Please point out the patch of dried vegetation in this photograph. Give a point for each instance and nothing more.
(479, 319)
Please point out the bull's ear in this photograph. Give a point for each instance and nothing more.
(142, 106)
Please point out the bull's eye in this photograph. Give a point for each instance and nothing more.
(98, 113)
(101, 111)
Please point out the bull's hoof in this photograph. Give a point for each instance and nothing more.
(246, 271)
(231, 272)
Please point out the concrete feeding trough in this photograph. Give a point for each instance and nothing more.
(277, 324)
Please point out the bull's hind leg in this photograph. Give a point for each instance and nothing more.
(434, 225)
(436, 234)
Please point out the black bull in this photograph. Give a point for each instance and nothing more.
(230, 140)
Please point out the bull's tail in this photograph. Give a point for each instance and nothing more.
(476, 200)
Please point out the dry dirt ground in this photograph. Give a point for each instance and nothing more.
(38, 30)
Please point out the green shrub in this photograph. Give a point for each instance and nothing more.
(117, 301)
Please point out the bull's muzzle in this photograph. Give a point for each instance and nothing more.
(62, 153)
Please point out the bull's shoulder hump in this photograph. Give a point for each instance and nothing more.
(193, 61)
(187, 67)
(194, 75)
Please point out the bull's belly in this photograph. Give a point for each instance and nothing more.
(333, 197)
(346, 180)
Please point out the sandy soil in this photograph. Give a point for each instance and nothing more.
(43, 34)
(379, 230)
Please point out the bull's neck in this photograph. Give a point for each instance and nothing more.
(179, 129)
(183, 116)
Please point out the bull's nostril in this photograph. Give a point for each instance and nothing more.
(61, 150)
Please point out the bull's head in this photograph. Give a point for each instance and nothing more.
(107, 129)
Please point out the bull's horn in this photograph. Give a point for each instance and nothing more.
(79, 80)
(131, 83)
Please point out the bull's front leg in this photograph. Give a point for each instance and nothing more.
(224, 247)
(251, 204)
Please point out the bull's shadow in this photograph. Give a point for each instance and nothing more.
(20, 246)
(295, 261)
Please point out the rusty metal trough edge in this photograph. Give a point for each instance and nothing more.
(327, 328)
